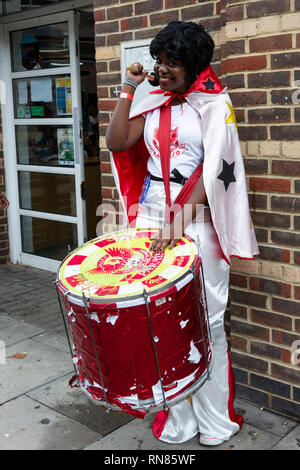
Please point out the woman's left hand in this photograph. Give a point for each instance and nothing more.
(166, 236)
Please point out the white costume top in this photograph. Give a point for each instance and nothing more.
(186, 146)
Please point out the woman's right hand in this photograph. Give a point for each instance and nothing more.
(138, 76)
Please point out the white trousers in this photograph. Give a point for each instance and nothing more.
(209, 410)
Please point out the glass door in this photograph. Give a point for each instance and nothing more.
(44, 109)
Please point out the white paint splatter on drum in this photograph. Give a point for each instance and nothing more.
(183, 323)
(95, 317)
(112, 319)
(194, 354)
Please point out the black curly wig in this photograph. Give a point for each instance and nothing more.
(187, 42)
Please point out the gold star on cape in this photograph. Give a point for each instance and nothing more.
(231, 118)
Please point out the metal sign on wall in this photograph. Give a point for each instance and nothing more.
(138, 51)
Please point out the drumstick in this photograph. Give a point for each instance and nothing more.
(133, 69)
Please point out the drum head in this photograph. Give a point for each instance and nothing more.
(120, 265)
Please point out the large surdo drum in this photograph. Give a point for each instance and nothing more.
(139, 331)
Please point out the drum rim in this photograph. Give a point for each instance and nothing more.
(120, 300)
(149, 404)
(125, 299)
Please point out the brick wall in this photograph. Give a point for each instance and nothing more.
(256, 57)
(4, 247)
(260, 61)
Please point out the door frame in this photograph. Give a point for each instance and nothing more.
(9, 141)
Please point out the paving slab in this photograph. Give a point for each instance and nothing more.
(263, 419)
(13, 331)
(28, 425)
(38, 364)
(75, 404)
(137, 435)
(56, 338)
(289, 442)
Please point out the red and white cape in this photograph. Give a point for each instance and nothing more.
(223, 168)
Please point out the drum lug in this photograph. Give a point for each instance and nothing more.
(145, 295)
(95, 350)
(193, 271)
(66, 330)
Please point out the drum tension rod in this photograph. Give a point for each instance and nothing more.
(200, 320)
(205, 303)
(66, 329)
(95, 350)
(204, 292)
(155, 350)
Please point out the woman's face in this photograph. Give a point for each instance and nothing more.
(170, 73)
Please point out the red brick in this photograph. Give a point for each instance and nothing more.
(285, 203)
(246, 63)
(266, 350)
(269, 115)
(253, 133)
(271, 319)
(105, 167)
(238, 311)
(270, 286)
(285, 60)
(249, 329)
(200, 11)
(106, 27)
(234, 13)
(107, 105)
(270, 184)
(271, 219)
(249, 362)
(238, 280)
(179, 3)
(283, 167)
(266, 7)
(134, 23)
(248, 298)
(271, 43)
(248, 98)
(297, 292)
(287, 374)
(164, 17)
(273, 253)
(148, 6)
(285, 238)
(99, 15)
(269, 79)
(238, 343)
(119, 12)
(286, 306)
(258, 201)
(255, 166)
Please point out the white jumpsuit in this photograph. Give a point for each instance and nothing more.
(209, 411)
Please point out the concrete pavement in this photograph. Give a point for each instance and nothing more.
(39, 411)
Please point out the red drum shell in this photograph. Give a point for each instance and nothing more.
(126, 352)
(115, 344)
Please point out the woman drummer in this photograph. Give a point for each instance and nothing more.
(201, 133)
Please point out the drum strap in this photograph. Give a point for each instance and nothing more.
(164, 146)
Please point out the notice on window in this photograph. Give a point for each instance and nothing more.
(63, 96)
(65, 145)
(41, 90)
(22, 92)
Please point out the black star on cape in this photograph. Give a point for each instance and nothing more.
(209, 84)
(227, 175)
